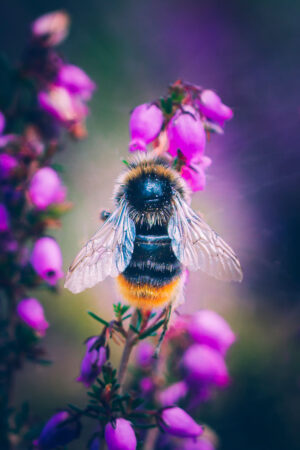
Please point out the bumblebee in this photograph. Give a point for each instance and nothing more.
(149, 240)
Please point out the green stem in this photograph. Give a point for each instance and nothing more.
(129, 344)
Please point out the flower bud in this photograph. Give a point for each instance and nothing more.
(145, 124)
(4, 218)
(7, 165)
(2, 122)
(205, 365)
(208, 327)
(7, 139)
(212, 107)
(186, 133)
(121, 436)
(32, 313)
(177, 422)
(46, 188)
(56, 434)
(62, 105)
(146, 385)
(92, 363)
(178, 326)
(194, 173)
(173, 393)
(144, 354)
(51, 28)
(46, 260)
(76, 81)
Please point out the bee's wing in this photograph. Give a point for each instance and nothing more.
(197, 246)
(108, 252)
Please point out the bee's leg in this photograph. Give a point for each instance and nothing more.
(104, 215)
(168, 312)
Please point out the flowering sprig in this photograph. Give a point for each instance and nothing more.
(152, 408)
(179, 126)
(39, 100)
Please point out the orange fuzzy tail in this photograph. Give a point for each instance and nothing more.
(147, 297)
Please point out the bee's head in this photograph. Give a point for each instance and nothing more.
(149, 186)
(148, 192)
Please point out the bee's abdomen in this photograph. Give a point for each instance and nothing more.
(153, 261)
(153, 276)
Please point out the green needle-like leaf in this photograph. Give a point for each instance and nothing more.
(94, 316)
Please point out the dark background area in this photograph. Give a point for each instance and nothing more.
(249, 53)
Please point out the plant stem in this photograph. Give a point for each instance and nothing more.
(150, 439)
(129, 344)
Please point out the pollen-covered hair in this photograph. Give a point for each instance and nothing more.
(144, 165)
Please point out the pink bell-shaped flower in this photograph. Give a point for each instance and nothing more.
(146, 385)
(145, 124)
(32, 313)
(2, 122)
(194, 173)
(209, 328)
(144, 354)
(46, 260)
(7, 164)
(186, 133)
(205, 366)
(62, 105)
(172, 394)
(212, 107)
(92, 363)
(4, 218)
(46, 188)
(177, 422)
(121, 436)
(51, 28)
(76, 81)
(58, 431)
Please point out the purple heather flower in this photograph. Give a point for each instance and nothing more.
(2, 122)
(4, 218)
(178, 326)
(76, 81)
(121, 436)
(177, 422)
(32, 313)
(7, 165)
(146, 385)
(212, 107)
(46, 260)
(199, 444)
(205, 365)
(51, 28)
(46, 188)
(194, 173)
(11, 245)
(208, 327)
(92, 363)
(186, 133)
(144, 354)
(34, 140)
(172, 394)
(7, 139)
(62, 105)
(55, 434)
(145, 123)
